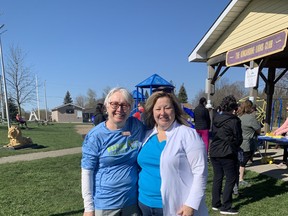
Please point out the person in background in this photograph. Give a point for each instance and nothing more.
(282, 130)
(21, 121)
(173, 161)
(250, 130)
(227, 138)
(202, 121)
(99, 114)
(139, 113)
(109, 169)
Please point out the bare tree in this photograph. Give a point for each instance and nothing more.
(106, 91)
(80, 100)
(20, 80)
(280, 98)
(91, 99)
(281, 87)
(222, 89)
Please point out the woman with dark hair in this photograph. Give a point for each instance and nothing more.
(173, 161)
(227, 138)
(202, 121)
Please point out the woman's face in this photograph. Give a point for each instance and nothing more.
(164, 113)
(118, 110)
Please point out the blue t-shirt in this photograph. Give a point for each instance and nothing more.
(149, 176)
(112, 154)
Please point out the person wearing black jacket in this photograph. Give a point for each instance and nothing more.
(227, 138)
(202, 121)
(99, 114)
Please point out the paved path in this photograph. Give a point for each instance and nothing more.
(270, 169)
(39, 155)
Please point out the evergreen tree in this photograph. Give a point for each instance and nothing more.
(146, 94)
(182, 95)
(67, 98)
(13, 110)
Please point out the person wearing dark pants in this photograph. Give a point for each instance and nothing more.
(224, 148)
(146, 210)
(223, 166)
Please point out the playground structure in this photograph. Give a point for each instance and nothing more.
(279, 117)
(261, 105)
(152, 83)
(260, 108)
(33, 117)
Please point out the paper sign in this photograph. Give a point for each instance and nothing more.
(251, 77)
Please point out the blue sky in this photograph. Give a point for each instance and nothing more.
(75, 45)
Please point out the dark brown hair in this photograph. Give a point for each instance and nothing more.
(150, 103)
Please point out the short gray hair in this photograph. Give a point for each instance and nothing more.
(126, 94)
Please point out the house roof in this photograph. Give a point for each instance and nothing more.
(226, 18)
(69, 104)
(154, 81)
(89, 110)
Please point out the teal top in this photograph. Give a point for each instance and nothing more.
(149, 176)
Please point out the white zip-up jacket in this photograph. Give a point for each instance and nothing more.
(183, 170)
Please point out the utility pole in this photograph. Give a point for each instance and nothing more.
(2, 100)
(46, 112)
(4, 80)
(37, 94)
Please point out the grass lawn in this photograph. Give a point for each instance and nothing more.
(51, 137)
(51, 186)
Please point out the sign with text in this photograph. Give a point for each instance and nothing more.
(264, 47)
(251, 77)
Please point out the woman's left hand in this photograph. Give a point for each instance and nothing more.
(186, 211)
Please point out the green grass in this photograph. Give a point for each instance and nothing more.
(266, 196)
(50, 137)
(51, 186)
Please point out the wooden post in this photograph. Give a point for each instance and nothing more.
(269, 92)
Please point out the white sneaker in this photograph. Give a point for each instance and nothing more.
(229, 212)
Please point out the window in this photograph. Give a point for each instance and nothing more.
(79, 114)
(69, 111)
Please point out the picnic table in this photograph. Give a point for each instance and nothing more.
(280, 140)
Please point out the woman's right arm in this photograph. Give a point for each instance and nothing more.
(87, 191)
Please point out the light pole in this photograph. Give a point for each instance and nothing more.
(45, 101)
(4, 80)
(2, 100)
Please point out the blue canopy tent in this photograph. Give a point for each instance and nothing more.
(152, 82)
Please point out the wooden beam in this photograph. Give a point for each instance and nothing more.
(269, 92)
